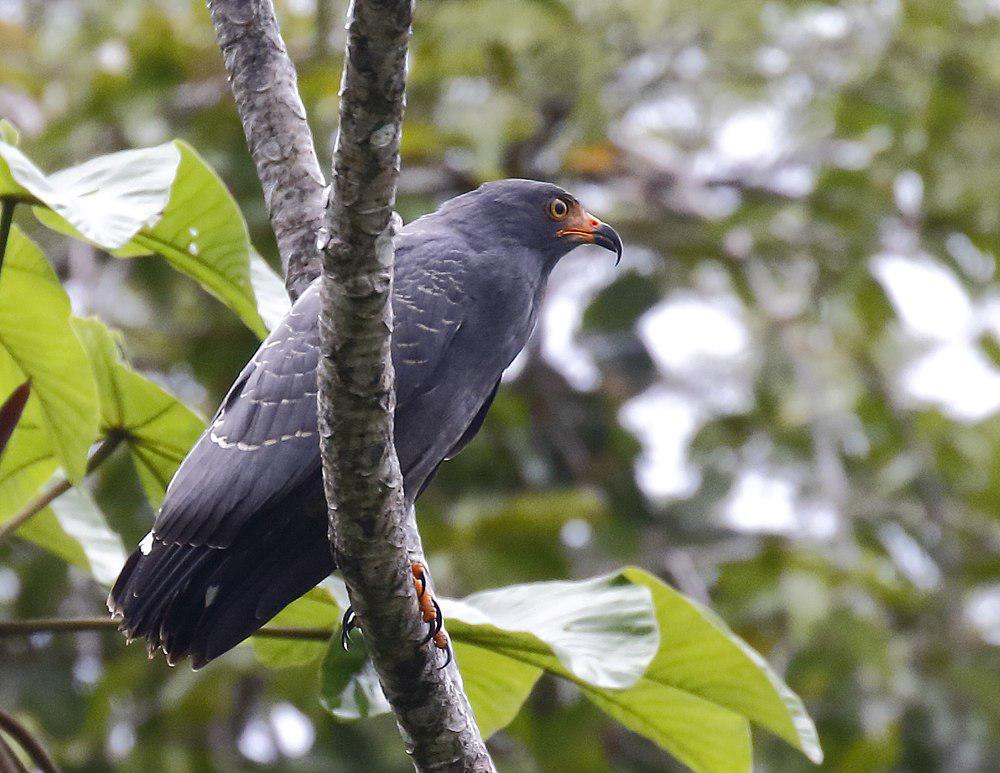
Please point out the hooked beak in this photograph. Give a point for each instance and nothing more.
(589, 230)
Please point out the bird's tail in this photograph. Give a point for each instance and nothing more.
(201, 601)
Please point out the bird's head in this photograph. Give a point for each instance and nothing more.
(538, 215)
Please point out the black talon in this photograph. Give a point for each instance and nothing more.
(447, 660)
(435, 625)
(430, 632)
(438, 623)
(347, 625)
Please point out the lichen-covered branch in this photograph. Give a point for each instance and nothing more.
(264, 85)
(371, 526)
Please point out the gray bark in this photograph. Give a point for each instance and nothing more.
(264, 85)
(373, 531)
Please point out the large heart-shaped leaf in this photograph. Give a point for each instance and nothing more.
(197, 227)
(695, 697)
(158, 428)
(701, 672)
(106, 199)
(602, 630)
(38, 345)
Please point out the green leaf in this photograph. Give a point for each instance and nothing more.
(74, 528)
(37, 343)
(272, 297)
(701, 658)
(691, 689)
(349, 686)
(106, 199)
(198, 229)
(315, 608)
(9, 133)
(202, 233)
(496, 685)
(698, 732)
(158, 428)
(602, 630)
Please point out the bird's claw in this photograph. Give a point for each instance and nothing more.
(434, 626)
(347, 625)
(446, 646)
(431, 612)
(429, 608)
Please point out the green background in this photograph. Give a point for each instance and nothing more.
(780, 403)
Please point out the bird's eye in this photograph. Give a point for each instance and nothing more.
(558, 209)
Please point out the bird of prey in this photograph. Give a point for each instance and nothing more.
(242, 531)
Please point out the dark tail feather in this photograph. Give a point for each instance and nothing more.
(203, 601)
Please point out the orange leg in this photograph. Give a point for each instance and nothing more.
(430, 611)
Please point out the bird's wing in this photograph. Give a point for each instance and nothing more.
(262, 445)
(427, 304)
(475, 425)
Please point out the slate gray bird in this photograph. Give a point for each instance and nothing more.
(242, 531)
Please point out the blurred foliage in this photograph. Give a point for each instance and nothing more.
(785, 402)
(616, 637)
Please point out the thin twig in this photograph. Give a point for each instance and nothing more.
(57, 489)
(71, 624)
(31, 745)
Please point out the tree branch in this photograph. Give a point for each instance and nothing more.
(372, 528)
(71, 624)
(265, 88)
(373, 531)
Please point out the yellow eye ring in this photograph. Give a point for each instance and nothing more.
(558, 209)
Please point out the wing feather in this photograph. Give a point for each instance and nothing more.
(262, 445)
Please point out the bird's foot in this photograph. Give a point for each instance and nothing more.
(430, 610)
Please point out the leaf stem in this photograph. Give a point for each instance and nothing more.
(31, 745)
(9, 760)
(57, 489)
(7, 205)
(70, 624)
